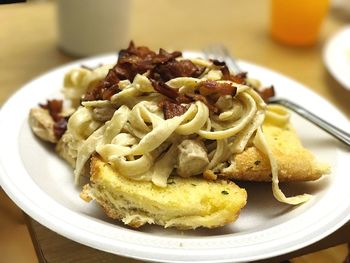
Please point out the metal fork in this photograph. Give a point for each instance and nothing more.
(220, 52)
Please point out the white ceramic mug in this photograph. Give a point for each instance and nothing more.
(89, 27)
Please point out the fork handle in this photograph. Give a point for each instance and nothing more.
(324, 125)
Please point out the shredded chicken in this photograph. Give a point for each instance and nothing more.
(67, 148)
(42, 124)
(193, 158)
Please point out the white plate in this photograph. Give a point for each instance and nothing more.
(42, 185)
(336, 56)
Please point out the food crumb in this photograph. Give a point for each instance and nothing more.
(210, 175)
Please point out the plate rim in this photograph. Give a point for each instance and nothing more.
(327, 53)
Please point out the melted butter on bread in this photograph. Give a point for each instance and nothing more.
(295, 163)
(186, 203)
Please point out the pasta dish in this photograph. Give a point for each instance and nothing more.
(158, 138)
(186, 119)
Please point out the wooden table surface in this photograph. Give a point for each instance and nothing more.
(28, 40)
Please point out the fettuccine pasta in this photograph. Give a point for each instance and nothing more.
(141, 143)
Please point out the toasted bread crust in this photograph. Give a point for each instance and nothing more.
(295, 163)
(186, 203)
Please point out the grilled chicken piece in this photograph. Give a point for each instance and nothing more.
(42, 124)
(192, 158)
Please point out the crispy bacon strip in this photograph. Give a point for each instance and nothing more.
(209, 87)
(131, 61)
(239, 78)
(138, 60)
(171, 109)
(165, 56)
(218, 62)
(173, 69)
(267, 93)
(178, 98)
(211, 106)
(163, 66)
(55, 108)
(60, 127)
(165, 90)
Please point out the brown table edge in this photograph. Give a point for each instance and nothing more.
(39, 253)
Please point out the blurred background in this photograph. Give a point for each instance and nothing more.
(293, 37)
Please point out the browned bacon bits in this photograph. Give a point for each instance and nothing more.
(171, 109)
(165, 90)
(239, 78)
(55, 108)
(266, 93)
(209, 87)
(138, 60)
(60, 127)
(161, 67)
(173, 69)
(131, 61)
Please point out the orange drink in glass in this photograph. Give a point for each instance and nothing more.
(297, 22)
